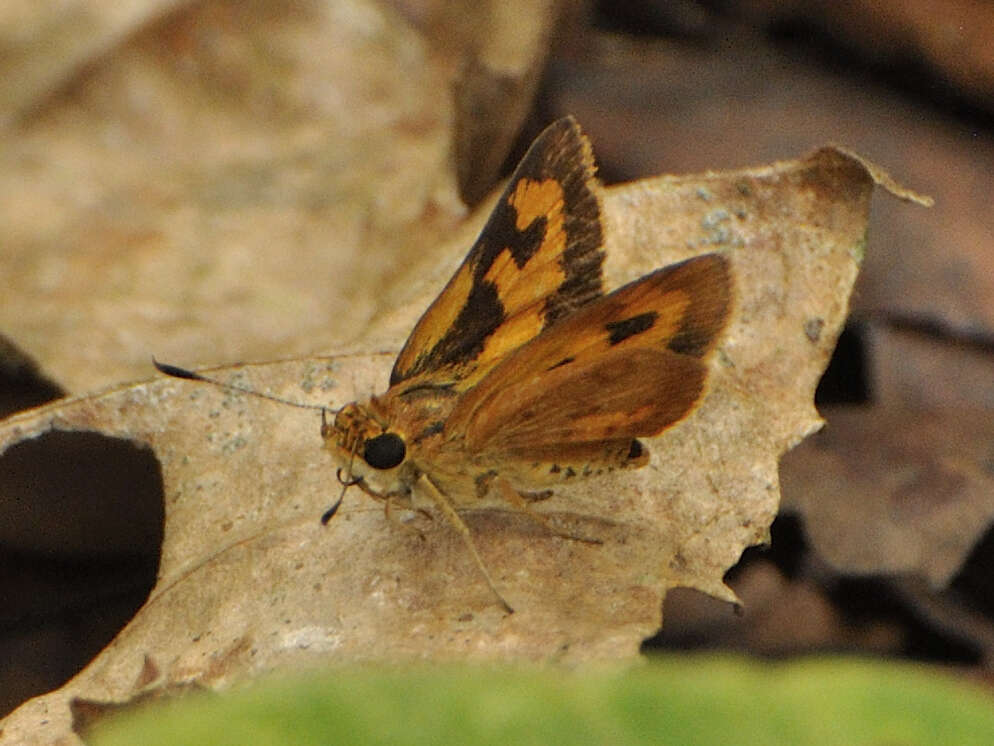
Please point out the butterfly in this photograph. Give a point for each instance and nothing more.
(523, 375)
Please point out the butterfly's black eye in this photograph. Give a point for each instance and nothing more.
(384, 451)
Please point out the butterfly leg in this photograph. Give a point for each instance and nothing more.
(392, 517)
(443, 504)
(517, 500)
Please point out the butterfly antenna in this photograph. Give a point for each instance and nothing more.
(330, 512)
(188, 375)
(346, 483)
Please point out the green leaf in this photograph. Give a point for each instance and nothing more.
(675, 700)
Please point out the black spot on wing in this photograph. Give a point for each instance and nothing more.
(524, 244)
(465, 338)
(483, 482)
(521, 244)
(423, 390)
(709, 279)
(691, 341)
(619, 331)
(561, 363)
(501, 233)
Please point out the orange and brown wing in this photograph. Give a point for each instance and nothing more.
(536, 261)
(569, 416)
(627, 365)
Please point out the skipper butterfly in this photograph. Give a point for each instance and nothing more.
(522, 374)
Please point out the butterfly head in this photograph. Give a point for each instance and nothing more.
(374, 456)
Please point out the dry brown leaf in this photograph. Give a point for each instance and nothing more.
(951, 40)
(923, 300)
(249, 580)
(44, 44)
(162, 166)
(910, 367)
(905, 486)
(895, 491)
(918, 487)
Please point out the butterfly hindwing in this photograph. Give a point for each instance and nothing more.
(626, 365)
(537, 260)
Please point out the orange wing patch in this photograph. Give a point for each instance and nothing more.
(445, 309)
(532, 201)
(536, 199)
(537, 259)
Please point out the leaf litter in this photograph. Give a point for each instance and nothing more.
(249, 580)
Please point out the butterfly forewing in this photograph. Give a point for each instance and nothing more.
(536, 261)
